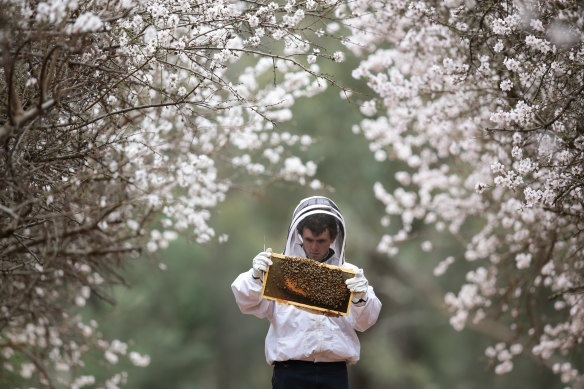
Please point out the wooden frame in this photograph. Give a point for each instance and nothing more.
(277, 287)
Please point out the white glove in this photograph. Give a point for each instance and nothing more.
(358, 285)
(261, 263)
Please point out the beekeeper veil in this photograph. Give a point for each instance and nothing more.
(312, 206)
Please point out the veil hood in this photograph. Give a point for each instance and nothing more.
(311, 206)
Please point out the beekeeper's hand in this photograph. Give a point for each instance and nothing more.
(358, 285)
(261, 263)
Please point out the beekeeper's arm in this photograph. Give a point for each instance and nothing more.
(366, 305)
(247, 287)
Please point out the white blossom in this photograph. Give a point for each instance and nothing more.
(139, 360)
(86, 22)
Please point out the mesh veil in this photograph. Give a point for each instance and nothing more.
(311, 206)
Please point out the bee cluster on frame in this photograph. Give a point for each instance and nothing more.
(320, 284)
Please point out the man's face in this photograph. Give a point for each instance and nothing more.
(316, 247)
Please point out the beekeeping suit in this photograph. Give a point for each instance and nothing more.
(296, 334)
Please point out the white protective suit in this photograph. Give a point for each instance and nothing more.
(298, 334)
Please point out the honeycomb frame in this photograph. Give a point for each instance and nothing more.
(308, 284)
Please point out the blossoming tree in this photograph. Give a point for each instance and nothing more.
(118, 116)
(481, 102)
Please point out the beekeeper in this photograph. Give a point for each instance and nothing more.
(308, 349)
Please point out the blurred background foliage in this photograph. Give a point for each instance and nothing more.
(186, 319)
